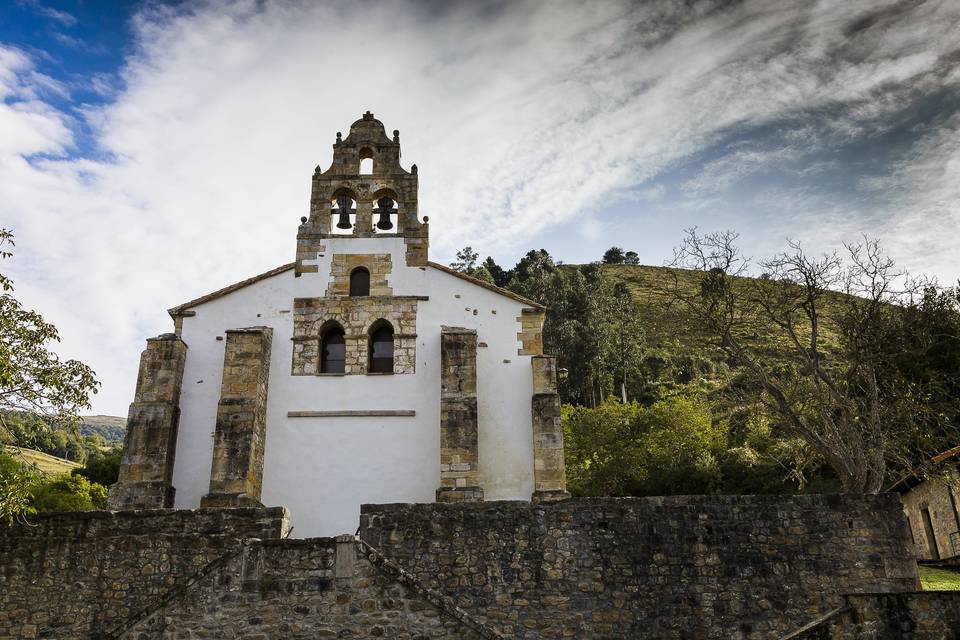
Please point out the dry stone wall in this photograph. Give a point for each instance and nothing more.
(673, 567)
(76, 575)
(315, 588)
(930, 615)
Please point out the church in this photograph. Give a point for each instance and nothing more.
(359, 373)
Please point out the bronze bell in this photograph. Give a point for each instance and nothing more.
(385, 209)
(343, 206)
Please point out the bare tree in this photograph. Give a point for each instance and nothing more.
(814, 353)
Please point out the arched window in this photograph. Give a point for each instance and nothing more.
(366, 161)
(333, 351)
(359, 282)
(381, 348)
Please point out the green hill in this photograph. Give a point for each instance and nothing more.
(110, 428)
(47, 465)
(677, 350)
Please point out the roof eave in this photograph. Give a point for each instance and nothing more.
(183, 310)
(486, 285)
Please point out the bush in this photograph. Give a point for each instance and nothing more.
(670, 447)
(69, 493)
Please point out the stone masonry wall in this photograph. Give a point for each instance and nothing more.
(680, 567)
(939, 498)
(70, 575)
(342, 265)
(314, 588)
(930, 615)
(312, 316)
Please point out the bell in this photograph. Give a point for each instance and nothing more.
(385, 209)
(343, 206)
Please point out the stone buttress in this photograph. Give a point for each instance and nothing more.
(236, 474)
(146, 472)
(549, 469)
(459, 428)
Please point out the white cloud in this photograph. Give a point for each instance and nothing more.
(520, 116)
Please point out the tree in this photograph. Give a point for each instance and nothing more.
(631, 257)
(626, 339)
(618, 449)
(613, 255)
(500, 277)
(466, 262)
(16, 480)
(103, 470)
(844, 400)
(33, 378)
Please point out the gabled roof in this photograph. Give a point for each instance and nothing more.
(487, 285)
(219, 293)
(914, 478)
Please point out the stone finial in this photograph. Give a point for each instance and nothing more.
(317, 169)
(368, 115)
(396, 135)
(413, 169)
(303, 219)
(339, 137)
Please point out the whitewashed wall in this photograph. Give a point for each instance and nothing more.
(322, 469)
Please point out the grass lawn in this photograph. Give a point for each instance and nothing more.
(933, 579)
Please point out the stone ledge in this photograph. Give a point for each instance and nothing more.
(371, 413)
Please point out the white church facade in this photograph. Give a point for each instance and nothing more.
(359, 373)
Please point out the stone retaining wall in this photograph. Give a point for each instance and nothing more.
(677, 567)
(313, 588)
(928, 615)
(69, 575)
(672, 567)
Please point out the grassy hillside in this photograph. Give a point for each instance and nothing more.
(110, 428)
(673, 340)
(45, 463)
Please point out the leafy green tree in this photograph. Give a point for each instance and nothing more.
(466, 262)
(69, 493)
(847, 401)
(16, 480)
(614, 255)
(33, 378)
(103, 470)
(618, 449)
(631, 257)
(500, 277)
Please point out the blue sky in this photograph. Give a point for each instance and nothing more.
(151, 152)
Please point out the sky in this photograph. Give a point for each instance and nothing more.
(152, 152)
